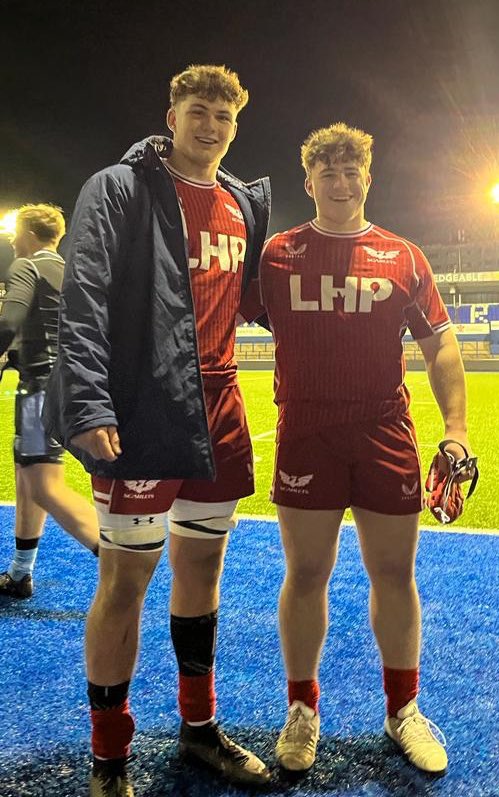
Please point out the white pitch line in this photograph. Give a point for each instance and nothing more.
(460, 530)
(435, 529)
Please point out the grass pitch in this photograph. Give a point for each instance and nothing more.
(481, 512)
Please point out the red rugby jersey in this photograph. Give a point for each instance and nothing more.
(339, 304)
(216, 240)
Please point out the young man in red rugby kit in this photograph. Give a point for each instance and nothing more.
(145, 394)
(339, 292)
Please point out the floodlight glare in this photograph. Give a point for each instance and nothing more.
(494, 193)
(8, 223)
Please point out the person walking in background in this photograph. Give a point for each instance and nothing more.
(30, 312)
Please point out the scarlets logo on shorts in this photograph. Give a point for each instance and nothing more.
(295, 484)
(142, 485)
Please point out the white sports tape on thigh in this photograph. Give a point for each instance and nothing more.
(139, 533)
(207, 521)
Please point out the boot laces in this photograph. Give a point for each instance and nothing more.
(421, 727)
(296, 723)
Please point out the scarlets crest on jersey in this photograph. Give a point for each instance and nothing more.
(446, 497)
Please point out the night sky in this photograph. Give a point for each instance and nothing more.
(82, 79)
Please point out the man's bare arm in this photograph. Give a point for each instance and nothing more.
(447, 380)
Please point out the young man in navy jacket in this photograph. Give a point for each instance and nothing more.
(145, 394)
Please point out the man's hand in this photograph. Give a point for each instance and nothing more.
(103, 442)
(450, 467)
(457, 445)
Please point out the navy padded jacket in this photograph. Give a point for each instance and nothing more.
(127, 336)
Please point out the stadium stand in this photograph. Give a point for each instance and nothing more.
(475, 256)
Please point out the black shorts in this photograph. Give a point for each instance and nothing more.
(32, 445)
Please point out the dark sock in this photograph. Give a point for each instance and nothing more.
(194, 641)
(104, 697)
(24, 559)
(27, 545)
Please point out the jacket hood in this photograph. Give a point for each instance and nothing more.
(141, 151)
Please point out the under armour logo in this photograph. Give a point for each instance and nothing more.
(138, 520)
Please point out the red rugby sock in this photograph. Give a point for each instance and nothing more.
(401, 686)
(112, 731)
(196, 697)
(306, 691)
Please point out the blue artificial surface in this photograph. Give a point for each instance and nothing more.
(44, 726)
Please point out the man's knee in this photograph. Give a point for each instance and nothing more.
(202, 567)
(122, 596)
(42, 481)
(123, 589)
(395, 574)
(308, 575)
